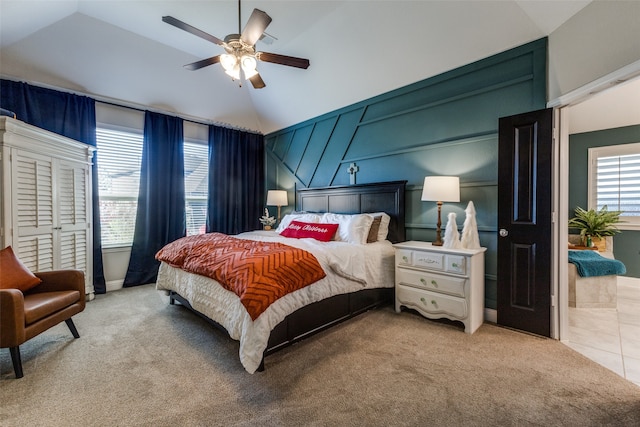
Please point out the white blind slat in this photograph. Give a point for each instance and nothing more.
(196, 185)
(618, 180)
(119, 159)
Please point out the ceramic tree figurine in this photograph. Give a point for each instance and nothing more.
(470, 238)
(267, 220)
(451, 235)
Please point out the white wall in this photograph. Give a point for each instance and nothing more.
(600, 39)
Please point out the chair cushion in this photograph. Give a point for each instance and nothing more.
(40, 305)
(13, 274)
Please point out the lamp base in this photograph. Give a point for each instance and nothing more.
(438, 241)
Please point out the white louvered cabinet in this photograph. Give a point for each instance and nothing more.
(45, 208)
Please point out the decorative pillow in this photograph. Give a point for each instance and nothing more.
(385, 219)
(13, 274)
(373, 231)
(304, 217)
(352, 228)
(301, 230)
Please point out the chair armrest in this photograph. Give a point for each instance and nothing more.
(60, 280)
(11, 317)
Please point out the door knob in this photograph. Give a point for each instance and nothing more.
(503, 232)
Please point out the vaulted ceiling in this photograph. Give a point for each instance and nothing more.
(121, 51)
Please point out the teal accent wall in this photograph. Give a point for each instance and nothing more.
(626, 245)
(444, 125)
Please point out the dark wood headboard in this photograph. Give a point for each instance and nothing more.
(385, 197)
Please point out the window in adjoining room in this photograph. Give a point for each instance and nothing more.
(119, 160)
(614, 173)
(196, 177)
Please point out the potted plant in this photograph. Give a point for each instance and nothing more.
(595, 225)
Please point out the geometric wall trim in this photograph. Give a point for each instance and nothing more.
(443, 125)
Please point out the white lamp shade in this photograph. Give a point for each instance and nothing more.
(277, 198)
(228, 61)
(441, 189)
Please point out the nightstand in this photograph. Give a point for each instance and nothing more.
(439, 282)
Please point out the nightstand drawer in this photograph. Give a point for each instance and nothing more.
(433, 282)
(431, 303)
(428, 260)
(456, 264)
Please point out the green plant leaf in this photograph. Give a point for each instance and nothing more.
(596, 223)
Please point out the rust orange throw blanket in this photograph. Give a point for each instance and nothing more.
(258, 272)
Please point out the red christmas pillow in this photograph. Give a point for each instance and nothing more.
(300, 230)
(13, 274)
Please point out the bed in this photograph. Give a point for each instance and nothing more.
(329, 301)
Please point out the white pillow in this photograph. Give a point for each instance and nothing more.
(304, 217)
(351, 228)
(383, 231)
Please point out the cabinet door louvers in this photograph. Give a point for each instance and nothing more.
(73, 253)
(72, 195)
(34, 194)
(36, 252)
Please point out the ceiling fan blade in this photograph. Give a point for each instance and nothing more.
(191, 29)
(257, 82)
(257, 23)
(291, 61)
(203, 63)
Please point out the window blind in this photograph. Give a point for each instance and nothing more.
(618, 183)
(119, 160)
(196, 175)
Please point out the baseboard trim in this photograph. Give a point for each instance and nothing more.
(491, 315)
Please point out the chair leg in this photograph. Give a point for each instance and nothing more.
(16, 360)
(72, 328)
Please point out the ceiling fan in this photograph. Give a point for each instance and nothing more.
(241, 56)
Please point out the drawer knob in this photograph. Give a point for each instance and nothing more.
(405, 259)
(424, 282)
(424, 301)
(434, 283)
(455, 265)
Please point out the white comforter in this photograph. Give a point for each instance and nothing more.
(349, 268)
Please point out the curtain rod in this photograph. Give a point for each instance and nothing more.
(132, 105)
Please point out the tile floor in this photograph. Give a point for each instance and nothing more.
(611, 337)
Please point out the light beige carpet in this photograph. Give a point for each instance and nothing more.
(140, 361)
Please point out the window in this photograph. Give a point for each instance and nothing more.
(196, 176)
(119, 160)
(615, 181)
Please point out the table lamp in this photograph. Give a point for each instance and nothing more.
(277, 198)
(440, 189)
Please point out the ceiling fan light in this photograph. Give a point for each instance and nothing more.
(228, 61)
(248, 62)
(234, 72)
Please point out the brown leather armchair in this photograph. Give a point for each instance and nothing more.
(25, 315)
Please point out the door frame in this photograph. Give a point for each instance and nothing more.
(562, 106)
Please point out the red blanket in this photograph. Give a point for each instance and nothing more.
(258, 272)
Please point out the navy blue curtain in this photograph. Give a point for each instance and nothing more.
(161, 203)
(68, 115)
(236, 180)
